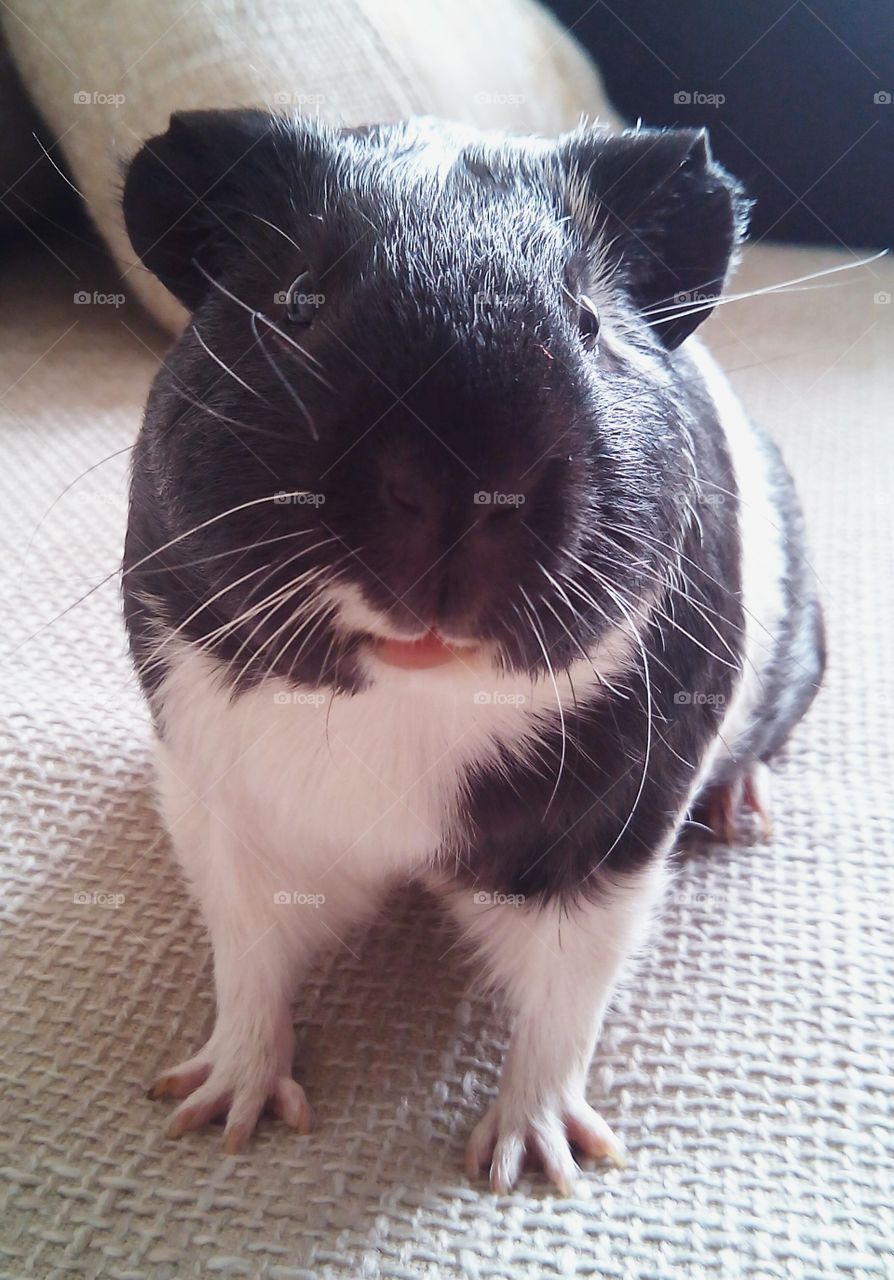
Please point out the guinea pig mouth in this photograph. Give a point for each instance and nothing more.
(430, 650)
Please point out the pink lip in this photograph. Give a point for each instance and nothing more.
(418, 655)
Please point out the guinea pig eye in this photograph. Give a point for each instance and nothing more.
(302, 300)
(587, 319)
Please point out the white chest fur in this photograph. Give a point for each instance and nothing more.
(376, 778)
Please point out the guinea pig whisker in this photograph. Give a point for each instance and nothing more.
(664, 581)
(624, 529)
(267, 223)
(307, 579)
(782, 286)
(223, 365)
(312, 359)
(324, 615)
(204, 524)
(301, 617)
(647, 754)
(114, 573)
(701, 606)
(222, 417)
(610, 588)
(620, 601)
(538, 636)
(232, 551)
(276, 599)
(296, 399)
(206, 604)
(575, 613)
(305, 355)
(266, 606)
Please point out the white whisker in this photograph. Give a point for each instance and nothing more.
(226, 368)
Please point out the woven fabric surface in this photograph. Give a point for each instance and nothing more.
(746, 1062)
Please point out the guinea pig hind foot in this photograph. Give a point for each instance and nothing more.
(738, 811)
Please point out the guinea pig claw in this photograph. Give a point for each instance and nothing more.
(179, 1083)
(588, 1131)
(502, 1141)
(289, 1104)
(236, 1138)
(739, 809)
(188, 1119)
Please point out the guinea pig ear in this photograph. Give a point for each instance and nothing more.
(655, 202)
(183, 192)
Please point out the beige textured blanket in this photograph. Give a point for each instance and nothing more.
(746, 1066)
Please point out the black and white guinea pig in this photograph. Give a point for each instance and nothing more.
(449, 557)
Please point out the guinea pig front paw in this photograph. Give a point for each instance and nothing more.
(236, 1085)
(510, 1132)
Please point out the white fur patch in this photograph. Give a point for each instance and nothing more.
(372, 781)
(762, 554)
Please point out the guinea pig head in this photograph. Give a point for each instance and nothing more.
(429, 379)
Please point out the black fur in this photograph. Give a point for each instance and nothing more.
(446, 360)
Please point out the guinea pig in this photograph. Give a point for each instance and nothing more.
(451, 557)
